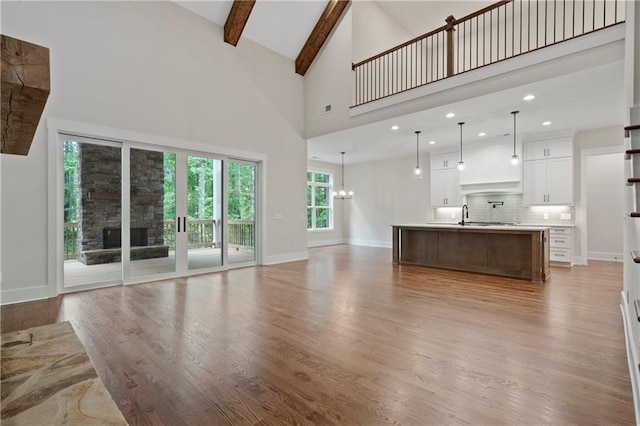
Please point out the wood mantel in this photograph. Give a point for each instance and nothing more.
(25, 86)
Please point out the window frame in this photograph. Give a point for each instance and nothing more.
(313, 184)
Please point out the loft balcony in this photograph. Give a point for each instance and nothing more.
(498, 34)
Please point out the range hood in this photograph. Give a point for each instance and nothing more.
(489, 169)
(503, 187)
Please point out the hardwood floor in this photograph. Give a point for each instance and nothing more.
(349, 338)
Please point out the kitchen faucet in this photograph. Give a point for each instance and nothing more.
(465, 209)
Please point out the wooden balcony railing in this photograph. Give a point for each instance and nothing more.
(200, 233)
(501, 31)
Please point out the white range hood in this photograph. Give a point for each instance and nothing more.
(488, 167)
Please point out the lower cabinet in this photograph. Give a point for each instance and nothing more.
(561, 245)
(445, 188)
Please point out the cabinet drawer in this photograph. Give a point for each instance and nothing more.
(560, 255)
(560, 231)
(560, 241)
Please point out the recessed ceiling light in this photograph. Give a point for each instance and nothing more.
(394, 127)
(546, 123)
(432, 142)
(450, 115)
(529, 98)
(482, 134)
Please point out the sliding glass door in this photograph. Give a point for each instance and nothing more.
(241, 212)
(203, 225)
(133, 212)
(92, 212)
(152, 213)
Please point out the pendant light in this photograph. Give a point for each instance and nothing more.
(342, 195)
(514, 157)
(417, 172)
(461, 163)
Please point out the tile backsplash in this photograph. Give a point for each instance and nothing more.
(481, 209)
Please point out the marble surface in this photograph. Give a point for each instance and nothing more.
(475, 227)
(52, 381)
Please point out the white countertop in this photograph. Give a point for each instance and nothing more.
(474, 227)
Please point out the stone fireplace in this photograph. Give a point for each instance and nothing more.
(99, 206)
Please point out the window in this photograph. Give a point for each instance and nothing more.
(319, 208)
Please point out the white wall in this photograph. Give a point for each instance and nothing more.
(329, 81)
(153, 68)
(605, 212)
(386, 194)
(340, 208)
(374, 31)
(584, 141)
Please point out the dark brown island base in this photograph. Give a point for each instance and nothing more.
(510, 251)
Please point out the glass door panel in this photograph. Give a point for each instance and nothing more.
(241, 208)
(92, 212)
(152, 214)
(204, 212)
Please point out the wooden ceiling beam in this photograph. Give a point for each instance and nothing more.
(237, 19)
(320, 33)
(25, 85)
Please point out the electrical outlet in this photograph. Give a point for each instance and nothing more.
(565, 216)
(545, 216)
(453, 215)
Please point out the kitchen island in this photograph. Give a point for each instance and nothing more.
(506, 250)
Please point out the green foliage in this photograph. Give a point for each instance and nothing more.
(242, 190)
(201, 187)
(70, 161)
(318, 200)
(169, 186)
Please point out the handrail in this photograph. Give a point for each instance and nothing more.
(400, 46)
(482, 11)
(502, 30)
(241, 235)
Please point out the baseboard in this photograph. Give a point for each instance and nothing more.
(370, 243)
(601, 255)
(632, 356)
(8, 297)
(284, 258)
(321, 243)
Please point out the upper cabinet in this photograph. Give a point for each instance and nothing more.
(445, 180)
(444, 161)
(548, 172)
(553, 148)
(445, 188)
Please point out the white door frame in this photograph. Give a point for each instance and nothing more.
(583, 191)
(56, 127)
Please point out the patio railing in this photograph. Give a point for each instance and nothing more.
(200, 233)
(500, 31)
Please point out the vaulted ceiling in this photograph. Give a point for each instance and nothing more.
(295, 29)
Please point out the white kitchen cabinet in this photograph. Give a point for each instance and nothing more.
(561, 245)
(445, 161)
(552, 148)
(445, 188)
(548, 173)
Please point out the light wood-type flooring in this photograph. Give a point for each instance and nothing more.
(349, 338)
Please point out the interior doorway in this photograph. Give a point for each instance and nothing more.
(603, 203)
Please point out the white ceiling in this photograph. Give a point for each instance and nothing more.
(589, 99)
(282, 26)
